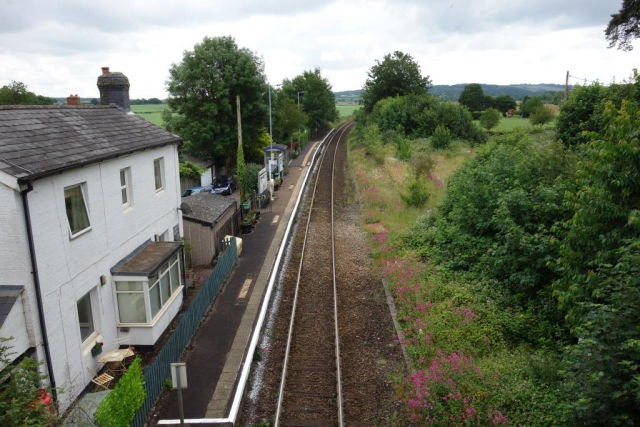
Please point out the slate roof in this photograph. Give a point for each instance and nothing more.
(38, 141)
(8, 296)
(207, 208)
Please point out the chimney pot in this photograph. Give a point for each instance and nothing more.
(105, 70)
(73, 100)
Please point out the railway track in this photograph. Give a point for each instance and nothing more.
(310, 393)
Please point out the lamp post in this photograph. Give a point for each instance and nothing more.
(271, 147)
(302, 91)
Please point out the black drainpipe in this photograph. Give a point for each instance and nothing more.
(36, 281)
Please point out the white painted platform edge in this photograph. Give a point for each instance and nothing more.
(235, 407)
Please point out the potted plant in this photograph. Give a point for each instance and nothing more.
(97, 348)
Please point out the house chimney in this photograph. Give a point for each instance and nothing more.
(114, 89)
(73, 100)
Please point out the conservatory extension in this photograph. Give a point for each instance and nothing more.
(148, 290)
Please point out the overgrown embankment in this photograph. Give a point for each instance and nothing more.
(513, 263)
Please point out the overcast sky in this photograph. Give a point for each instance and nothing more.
(57, 47)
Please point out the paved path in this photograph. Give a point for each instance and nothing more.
(217, 349)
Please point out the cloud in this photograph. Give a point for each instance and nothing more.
(57, 48)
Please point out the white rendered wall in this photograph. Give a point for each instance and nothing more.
(14, 326)
(15, 267)
(206, 178)
(70, 268)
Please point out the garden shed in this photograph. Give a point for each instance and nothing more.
(206, 219)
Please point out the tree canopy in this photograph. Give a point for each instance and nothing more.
(504, 103)
(288, 118)
(472, 97)
(317, 101)
(16, 93)
(397, 75)
(624, 26)
(203, 89)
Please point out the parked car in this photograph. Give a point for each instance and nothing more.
(224, 184)
(195, 190)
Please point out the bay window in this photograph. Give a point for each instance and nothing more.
(141, 301)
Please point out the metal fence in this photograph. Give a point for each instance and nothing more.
(156, 373)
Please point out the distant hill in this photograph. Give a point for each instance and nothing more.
(518, 91)
(452, 92)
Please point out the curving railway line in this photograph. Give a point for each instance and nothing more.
(310, 393)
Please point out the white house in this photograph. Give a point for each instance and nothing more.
(89, 220)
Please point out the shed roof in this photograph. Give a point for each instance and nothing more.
(207, 208)
(147, 259)
(198, 161)
(9, 294)
(38, 141)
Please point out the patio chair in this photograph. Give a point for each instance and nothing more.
(125, 341)
(101, 381)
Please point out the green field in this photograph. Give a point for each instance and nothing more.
(347, 110)
(511, 124)
(151, 112)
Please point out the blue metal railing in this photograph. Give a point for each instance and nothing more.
(160, 369)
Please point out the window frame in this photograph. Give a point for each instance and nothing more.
(83, 191)
(159, 275)
(95, 334)
(160, 161)
(141, 291)
(126, 187)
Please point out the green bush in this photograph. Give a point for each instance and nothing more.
(190, 170)
(419, 115)
(490, 118)
(417, 193)
(476, 115)
(541, 116)
(583, 111)
(249, 179)
(497, 217)
(422, 164)
(20, 391)
(119, 408)
(530, 104)
(599, 267)
(441, 138)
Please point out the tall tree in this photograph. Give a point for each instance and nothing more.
(398, 74)
(288, 118)
(16, 93)
(472, 97)
(624, 26)
(203, 89)
(504, 103)
(318, 101)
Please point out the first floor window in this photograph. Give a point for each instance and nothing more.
(76, 207)
(158, 171)
(125, 187)
(85, 317)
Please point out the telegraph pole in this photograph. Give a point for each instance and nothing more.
(239, 121)
(566, 88)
